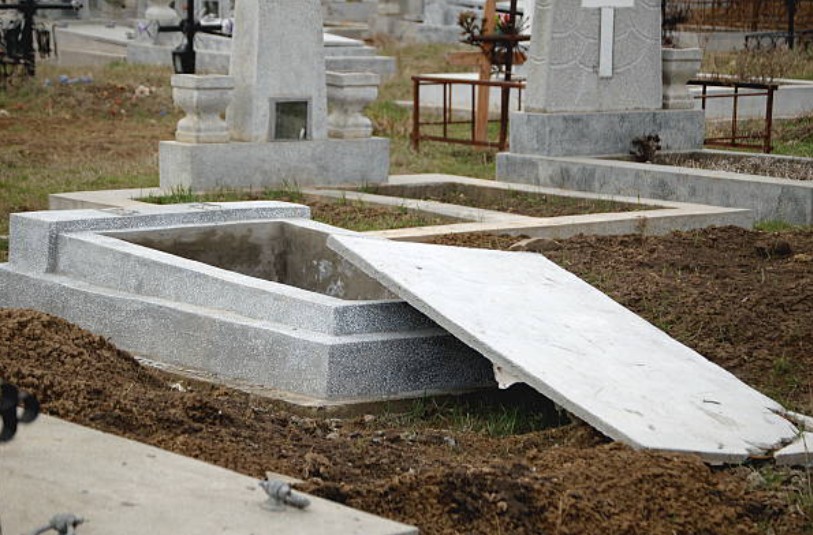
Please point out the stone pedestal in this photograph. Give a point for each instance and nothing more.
(348, 94)
(325, 162)
(602, 133)
(679, 66)
(204, 99)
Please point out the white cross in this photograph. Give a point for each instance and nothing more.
(607, 33)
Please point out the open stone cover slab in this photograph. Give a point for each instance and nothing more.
(541, 325)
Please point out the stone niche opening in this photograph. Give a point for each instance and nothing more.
(275, 251)
(291, 120)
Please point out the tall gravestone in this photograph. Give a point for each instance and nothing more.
(594, 82)
(278, 68)
(595, 55)
(279, 131)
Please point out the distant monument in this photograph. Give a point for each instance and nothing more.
(594, 82)
(278, 128)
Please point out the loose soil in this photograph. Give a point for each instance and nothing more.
(743, 298)
(512, 202)
(749, 165)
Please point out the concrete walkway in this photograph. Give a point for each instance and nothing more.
(123, 487)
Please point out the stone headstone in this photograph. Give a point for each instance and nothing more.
(595, 55)
(278, 66)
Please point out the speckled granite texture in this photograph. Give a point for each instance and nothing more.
(291, 316)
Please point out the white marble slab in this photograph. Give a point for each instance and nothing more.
(543, 326)
(797, 453)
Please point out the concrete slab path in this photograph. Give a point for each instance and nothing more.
(127, 488)
(543, 326)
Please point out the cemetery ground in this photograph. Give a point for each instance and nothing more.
(492, 464)
(484, 464)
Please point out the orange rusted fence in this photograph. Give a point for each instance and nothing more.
(449, 116)
(739, 90)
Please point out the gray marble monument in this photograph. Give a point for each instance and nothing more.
(277, 114)
(277, 63)
(595, 55)
(594, 82)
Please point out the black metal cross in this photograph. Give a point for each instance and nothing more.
(183, 57)
(29, 8)
(10, 416)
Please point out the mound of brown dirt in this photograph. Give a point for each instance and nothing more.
(713, 289)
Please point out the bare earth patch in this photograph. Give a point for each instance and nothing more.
(740, 297)
(349, 214)
(512, 202)
(749, 165)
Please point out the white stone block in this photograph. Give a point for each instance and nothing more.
(797, 453)
(277, 59)
(543, 326)
(204, 98)
(565, 71)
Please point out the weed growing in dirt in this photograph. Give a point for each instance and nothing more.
(774, 226)
(794, 483)
(343, 212)
(760, 65)
(515, 411)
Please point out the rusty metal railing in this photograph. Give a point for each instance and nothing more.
(737, 139)
(447, 111)
(744, 15)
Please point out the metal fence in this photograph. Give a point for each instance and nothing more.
(738, 137)
(744, 15)
(456, 125)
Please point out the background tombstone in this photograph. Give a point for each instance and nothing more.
(278, 66)
(573, 40)
(277, 117)
(594, 84)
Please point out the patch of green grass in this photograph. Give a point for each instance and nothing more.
(395, 122)
(179, 195)
(794, 137)
(359, 220)
(84, 136)
(494, 414)
(773, 226)
(760, 65)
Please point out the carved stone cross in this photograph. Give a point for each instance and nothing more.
(607, 31)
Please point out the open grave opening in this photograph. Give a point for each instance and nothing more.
(275, 251)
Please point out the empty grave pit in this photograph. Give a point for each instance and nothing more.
(259, 302)
(280, 252)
